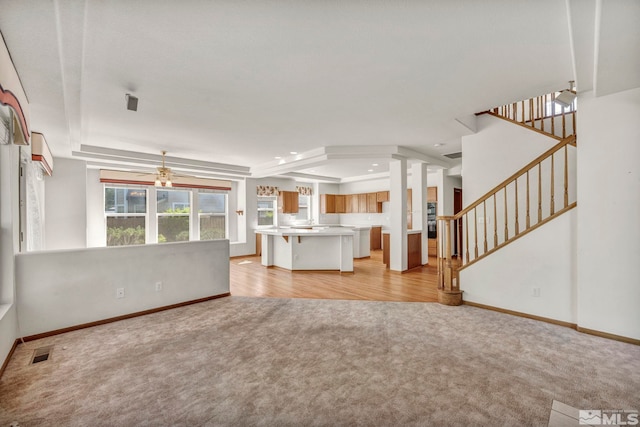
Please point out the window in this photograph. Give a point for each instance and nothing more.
(125, 211)
(304, 211)
(212, 213)
(179, 215)
(266, 211)
(174, 208)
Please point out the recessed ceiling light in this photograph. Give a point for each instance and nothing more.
(375, 164)
(438, 145)
(277, 157)
(370, 170)
(293, 152)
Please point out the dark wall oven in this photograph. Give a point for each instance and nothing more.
(431, 220)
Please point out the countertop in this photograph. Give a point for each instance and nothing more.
(318, 231)
(320, 227)
(387, 231)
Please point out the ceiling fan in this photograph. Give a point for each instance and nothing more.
(163, 175)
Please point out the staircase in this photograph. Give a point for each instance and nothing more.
(540, 191)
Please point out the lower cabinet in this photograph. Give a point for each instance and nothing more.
(414, 250)
(376, 238)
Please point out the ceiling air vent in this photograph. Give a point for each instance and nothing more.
(454, 155)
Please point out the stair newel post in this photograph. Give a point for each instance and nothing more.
(448, 277)
(440, 252)
(450, 293)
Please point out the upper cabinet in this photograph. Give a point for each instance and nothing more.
(327, 203)
(432, 194)
(341, 203)
(351, 203)
(288, 202)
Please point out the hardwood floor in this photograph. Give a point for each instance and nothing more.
(370, 281)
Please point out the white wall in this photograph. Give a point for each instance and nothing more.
(9, 227)
(609, 213)
(66, 205)
(59, 289)
(496, 152)
(9, 209)
(543, 259)
(96, 235)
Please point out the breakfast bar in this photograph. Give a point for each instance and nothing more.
(329, 248)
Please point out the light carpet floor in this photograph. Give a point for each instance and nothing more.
(242, 361)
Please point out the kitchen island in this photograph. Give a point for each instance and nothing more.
(321, 248)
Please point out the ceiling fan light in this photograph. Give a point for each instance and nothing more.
(168, 183)
(158, 183)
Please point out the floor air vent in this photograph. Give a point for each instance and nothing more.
(41, 354)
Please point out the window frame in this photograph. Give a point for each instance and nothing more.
(107, 215)
(152, 215)
(274, 201)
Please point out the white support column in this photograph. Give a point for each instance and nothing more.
(151, 226)
(419, 204)
(398, 259)
(194, 215)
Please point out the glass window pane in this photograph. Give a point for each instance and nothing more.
(212, 202)
(125, 200)
(212, 227)
(173, 228)
(173, 201)
(265, 217)
(265, 204)
(125, 230)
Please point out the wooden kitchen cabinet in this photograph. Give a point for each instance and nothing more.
(288, 202)
(362, 203)
(432, 245)
(382, 196)
(372, 203)
(327, 203)
(414, 250)
(432, 194)
(375, 238)
(341, 206)
(351, 202)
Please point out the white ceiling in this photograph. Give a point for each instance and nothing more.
(240, 82)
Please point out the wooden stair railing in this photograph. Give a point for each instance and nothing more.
(520, 204)
(540, 114)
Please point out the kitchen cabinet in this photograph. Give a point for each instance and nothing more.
(432, 194)
(376, 238)
(414, 249)
(288, 202)
(362, 203)
(382, 196)
(341, 203)
(432, 245)
(372, 203)
(352, 203)
(327, 203)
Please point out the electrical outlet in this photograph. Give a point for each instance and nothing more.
(158, 286)
(119, 292)
(535, 292)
